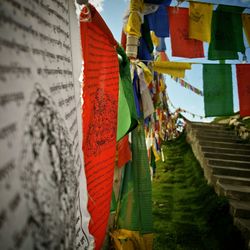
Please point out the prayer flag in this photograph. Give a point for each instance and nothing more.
(124, 152)
(100, 95)
(146, 35)
(158, 22)
(242, 72)
(137, 96)
(163, 56)
(154, 38)
(123, 40)
(176, 69)
(246, 25)
(124, 117)
(213, 53)
(200, 19)
(133, 25)
(143, 51)
(135, 214)
(156, 1)
(147, 103)
(217, 89)
(185, 84)
(227, 34)
(182, 46)
(162, 45)
(43, 189)
(147, 73)
(127, 116)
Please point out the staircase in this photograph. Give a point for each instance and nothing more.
(225, 159)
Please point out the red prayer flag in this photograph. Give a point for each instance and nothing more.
(242, 72)
(123, 40)
(182, 46)
(124, 152)
(100, 95)
(163, 56)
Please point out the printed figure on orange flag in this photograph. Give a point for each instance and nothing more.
(100, 95)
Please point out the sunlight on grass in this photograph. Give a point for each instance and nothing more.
(188, 215)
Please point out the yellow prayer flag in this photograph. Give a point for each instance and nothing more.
(176, 69)
(133, 26)
(154, 38)
(136, 5)
(162, 85)
(200, 19)
(124, 239)
(246, 25)
(157, 156)
(147, 73)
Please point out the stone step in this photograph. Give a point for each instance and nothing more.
(234, 192)
(244, 227)
(209, 143)
(229, 163)
(215, 132)
(233, 180)
(218, 138)
(240, 209)
(214, 129)
(225, 159)
(201, 125)
(230, 171)
(222, 137)
(226, 150)
(225, 156)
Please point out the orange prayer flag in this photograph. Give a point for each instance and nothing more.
(123, 40)
(182, 46)
(242, 71)
(163, 56)
(124, 152)
(100, 95)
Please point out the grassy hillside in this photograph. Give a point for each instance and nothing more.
(187, 213)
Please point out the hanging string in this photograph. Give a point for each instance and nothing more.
(182, 110)
(217, 3)
(198, 63)
(187, 85)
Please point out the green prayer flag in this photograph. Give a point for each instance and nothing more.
(227, 33)
(124, 119)
(127, 116)
(113, 206)
(230, 31)
(217, 89)
(135, 211)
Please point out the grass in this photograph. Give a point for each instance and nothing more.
(187, 213)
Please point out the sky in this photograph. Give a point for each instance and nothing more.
(113, 11)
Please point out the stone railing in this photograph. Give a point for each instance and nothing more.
(240, 128)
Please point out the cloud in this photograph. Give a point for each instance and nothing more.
(98, 4)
